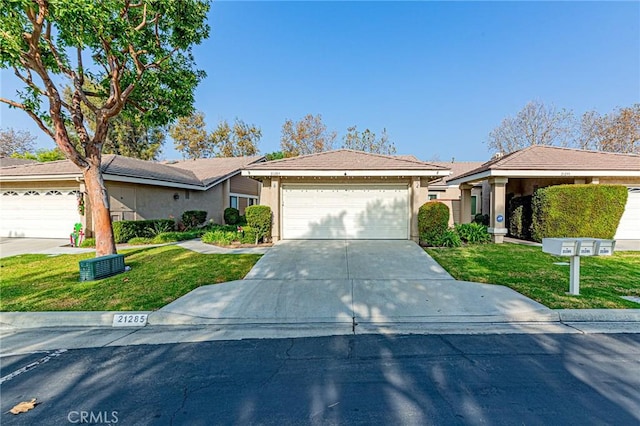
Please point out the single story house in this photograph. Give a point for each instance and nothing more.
(46, 199)
(345, 194)
(441, 190)
(521, 172)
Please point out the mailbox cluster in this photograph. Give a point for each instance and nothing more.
(576, 247)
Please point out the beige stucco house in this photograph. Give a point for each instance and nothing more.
(41, 199)
(442, 190)
(521, 172)
(345, 194)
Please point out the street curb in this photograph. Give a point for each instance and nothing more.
(28, 320)
(599, 315)
(61, 319)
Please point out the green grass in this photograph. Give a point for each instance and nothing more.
(158, 276)
(531, 272)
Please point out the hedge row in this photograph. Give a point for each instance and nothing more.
(577, 211)
(125, 230)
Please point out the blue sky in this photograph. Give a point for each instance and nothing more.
(439, 76)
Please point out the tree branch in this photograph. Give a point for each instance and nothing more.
(33, 115)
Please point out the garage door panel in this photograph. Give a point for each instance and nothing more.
(345, 212)
(38, 214)
(629, 227)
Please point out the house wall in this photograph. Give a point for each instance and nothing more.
(140, 202)
(244, 185)
(271, 193)
(450, 196)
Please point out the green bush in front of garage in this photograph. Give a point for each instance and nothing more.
(433, 225)
(577, 211)
(259, 219)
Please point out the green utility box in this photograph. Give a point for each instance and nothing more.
(101, 267)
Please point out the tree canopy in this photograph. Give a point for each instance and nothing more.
(306, 136)
(368, 141)
(538, 124)
(15, 142)
(139, 53)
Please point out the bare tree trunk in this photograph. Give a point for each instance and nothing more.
(101, 216)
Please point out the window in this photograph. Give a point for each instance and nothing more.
(10, 193)
(473, 205)
(433, 196)
(31, 193)
(252, 201)
(54, 192)
(233, 201)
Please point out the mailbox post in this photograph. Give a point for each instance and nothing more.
(575, 248)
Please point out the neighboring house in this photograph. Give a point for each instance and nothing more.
(9, 161)
(448, 194)
(521, 172)
(345, 194)
(42, 199)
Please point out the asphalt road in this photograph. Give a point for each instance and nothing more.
(534, 379)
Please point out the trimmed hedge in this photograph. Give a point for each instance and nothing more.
(125, 230)
(577, 211)
(194, 218)
(259, 219)
(433, 222)
(520, 216)
(231, 216)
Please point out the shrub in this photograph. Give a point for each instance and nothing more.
(473, 233)
(88, 243)
(577, 211)
(448, 239)
(139, 241)
(482, 219)
(259, 219)
(520, 215)
(125, 230)
(433, 222)
(231, 216)
(219, 237)
(194, 218)
(248, 235)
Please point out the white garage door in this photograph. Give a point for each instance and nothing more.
(38, 214)
(345, 212)
(629, 227)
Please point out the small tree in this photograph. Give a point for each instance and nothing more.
(433, 222)
(259, 219)
(139, 52)
(15, 142)
(368, 141)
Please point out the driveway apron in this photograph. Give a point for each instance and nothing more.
(367, 283)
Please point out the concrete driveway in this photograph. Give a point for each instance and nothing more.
(16, 246)
(359, 283)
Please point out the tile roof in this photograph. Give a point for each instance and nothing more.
(346, 159)
(542, 157)
(457, 168)
(193, 172)
(8, 161)
(210, 170)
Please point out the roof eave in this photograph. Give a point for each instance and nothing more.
(524, 173)
(342, 173)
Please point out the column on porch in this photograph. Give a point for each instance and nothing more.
(498, 209)
(465, 203)
(275, 204)
(419, 195)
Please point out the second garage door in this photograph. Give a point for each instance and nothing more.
(345, 212)
(629, 227)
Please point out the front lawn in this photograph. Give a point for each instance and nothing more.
(531, 272)
(158, 276)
